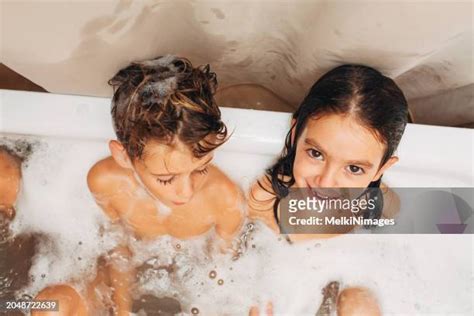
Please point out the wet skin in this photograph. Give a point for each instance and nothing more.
(10, 178)
(333, 151)
(167, 191)
(194, 195)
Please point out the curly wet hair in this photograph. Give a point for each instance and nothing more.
(166, 99)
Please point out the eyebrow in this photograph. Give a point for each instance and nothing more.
(173, 174)
(360, 163)
(314, 143)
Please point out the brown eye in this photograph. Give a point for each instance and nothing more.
(313, 153)
(355, 169)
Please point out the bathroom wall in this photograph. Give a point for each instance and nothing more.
(273, 50)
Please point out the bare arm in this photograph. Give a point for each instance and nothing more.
(103, 190)
(122, 275)
(119, 271)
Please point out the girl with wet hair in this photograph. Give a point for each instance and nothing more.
(343, 135)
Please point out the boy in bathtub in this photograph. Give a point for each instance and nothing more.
(159, 179)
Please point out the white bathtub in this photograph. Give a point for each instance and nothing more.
(430, 156)
(403, 269)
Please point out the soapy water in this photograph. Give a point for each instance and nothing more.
(410, 274)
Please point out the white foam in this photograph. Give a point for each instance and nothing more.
(411, 274)
(161, 208)
(55, 200)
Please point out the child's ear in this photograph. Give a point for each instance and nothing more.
(120, 154)
(390, 162)
(293, 127)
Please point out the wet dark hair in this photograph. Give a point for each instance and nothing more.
(360, 91)
(166, 99)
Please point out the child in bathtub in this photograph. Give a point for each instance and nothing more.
(159, 179)
(16, 250)
(343, 135)
(10, 177)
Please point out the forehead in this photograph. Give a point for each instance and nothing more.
(177, 158)
(343, 138)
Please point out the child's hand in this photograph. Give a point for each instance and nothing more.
(254, 311)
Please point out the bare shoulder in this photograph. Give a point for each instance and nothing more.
(10, 178)
(261, 191)
(228, 203)
(391, 199)
(105, 180)
(219, 183)
(261, 201)
(107, 177)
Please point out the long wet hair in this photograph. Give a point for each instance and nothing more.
(360, 91)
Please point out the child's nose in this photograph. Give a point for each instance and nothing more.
(326, 179)
(186, 191)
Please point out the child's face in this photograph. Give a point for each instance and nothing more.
(172, 173)
(335, 151)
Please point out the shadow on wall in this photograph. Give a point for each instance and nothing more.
(252, 96)
(448, 106)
